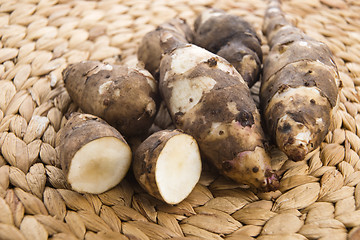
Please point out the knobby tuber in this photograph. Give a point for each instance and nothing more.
(232, 38)
(124, 97)
(299, 89)
(168, 165)
(93, 155)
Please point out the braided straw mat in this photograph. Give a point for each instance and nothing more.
(318, 198)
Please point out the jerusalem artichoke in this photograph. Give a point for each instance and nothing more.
(232, 38)
(299, 89)
(124, 97)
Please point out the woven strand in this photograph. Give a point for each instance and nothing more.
(318, 198)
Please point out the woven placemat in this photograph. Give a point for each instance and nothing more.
(318, 198)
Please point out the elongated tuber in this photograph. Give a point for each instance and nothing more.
(168, 165)
(299, 89)
(93, 155)
(124, 97)
(232, 38)
(209, 100)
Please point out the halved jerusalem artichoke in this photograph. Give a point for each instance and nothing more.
(94, 156)
(168, 165)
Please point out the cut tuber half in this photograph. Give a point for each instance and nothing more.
(94, 156)
(168, 165)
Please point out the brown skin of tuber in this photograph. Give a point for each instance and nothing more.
(246, 61)
(301, 50)
(126, 98)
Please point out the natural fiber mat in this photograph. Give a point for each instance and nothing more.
(319, 198)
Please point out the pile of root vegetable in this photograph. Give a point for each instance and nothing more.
(185, 120)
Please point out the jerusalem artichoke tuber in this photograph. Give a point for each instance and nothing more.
(124, 97)
(299, 89)
(232, 38)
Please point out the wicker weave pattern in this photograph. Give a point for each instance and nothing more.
(319, 198)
